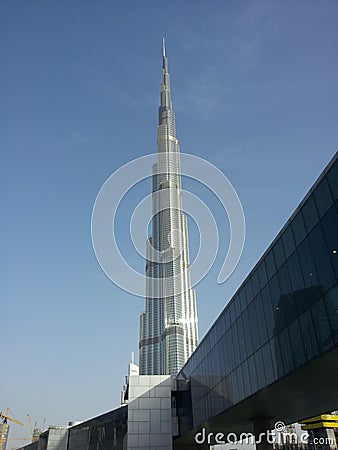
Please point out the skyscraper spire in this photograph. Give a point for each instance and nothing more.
(168, 327)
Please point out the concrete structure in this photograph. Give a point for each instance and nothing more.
(149, 412)
(168, 327)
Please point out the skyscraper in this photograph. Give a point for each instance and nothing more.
(168, 327)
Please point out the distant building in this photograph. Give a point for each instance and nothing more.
(168, 327)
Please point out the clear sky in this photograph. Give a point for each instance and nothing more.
(254, 86)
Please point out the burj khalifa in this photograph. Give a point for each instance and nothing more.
(168, 326)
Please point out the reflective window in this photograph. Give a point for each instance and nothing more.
(241, 339)
(268, 364)
(323, 198)
(246, 379)
(297, 346)
(321, 325)
(298, 228)
(295, 273)
(255, 284)
(263, 278)
(285, 348)
(253, 325)
(332, 178)
(330, 229)
(288, 242)
(268, 312)
(247, 331)
(253, 374)
(278, 252)
(261, 321)
(286, 302)
(331, 305)
(307, 265)
(310, 214)
(322, 258)
(260, 369)
(242, 299)
(309, 335)
(270, 264)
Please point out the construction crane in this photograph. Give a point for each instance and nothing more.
(5, 428)
(35, 432)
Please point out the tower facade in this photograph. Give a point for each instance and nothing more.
(168, 326)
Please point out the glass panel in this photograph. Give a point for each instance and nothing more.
(278, 252)
(298, 351)
(286, 301)
(330, 229)
(247, 332)
(322, 258)
(309, 335)
(261, 321)
(246, 379)
(310, 214)
(279, 317)
(323, 198)
(278, 355)
(288, 241)
(253, 326)
(307, 265)
(237, 307)
(268, 365)
(241, 340)
(260, 369)
(263, 278)
(321, 325)
(253, 374)
(285, 347)
(243, 299)
(255, 284)
(236, 346)
(331, 304)
(249, 293)
(298, 228)
(270, 265)
(332, 177)
(268, 312)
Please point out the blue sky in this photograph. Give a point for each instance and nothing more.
(254, 86)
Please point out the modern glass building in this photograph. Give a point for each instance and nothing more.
(168, 327)
(278, 336)
(107, 431)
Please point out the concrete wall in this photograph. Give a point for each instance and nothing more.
(149, 412)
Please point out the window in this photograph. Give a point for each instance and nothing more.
(268, 365)
(298, 229)
(331, 305)
(297, 346)
(270, 265)
(285, 348)
(262, 274)
(330, 229)
(288, 242)
(322, 258)
(321, 325)
(323, 198)
(310, 214)
(309, 335)
(278, 252)
(332, 178)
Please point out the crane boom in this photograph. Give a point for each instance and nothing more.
(5, 417)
